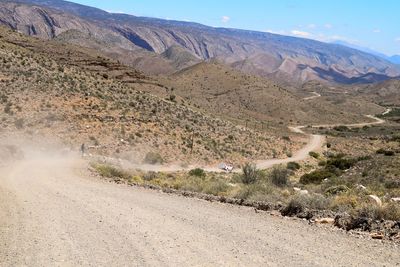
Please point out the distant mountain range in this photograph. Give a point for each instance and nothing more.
(395, 59)
(159, 46)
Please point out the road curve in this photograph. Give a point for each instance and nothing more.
(315, 143)
(52, 214)
(315, 95)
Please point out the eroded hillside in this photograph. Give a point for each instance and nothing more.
(70, 95)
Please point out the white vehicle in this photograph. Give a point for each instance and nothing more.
(226, 167)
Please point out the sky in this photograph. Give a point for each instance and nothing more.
(371, 24)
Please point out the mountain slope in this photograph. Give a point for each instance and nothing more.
(395, 59)
(270, 55)
(52, 90)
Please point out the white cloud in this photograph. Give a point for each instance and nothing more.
(376, 31)
(328, 26)
(276, 32)
(312, 26)
(397, 39)
(225, 19)
(342, 38)
(300, 33)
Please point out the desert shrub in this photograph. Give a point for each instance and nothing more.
(294, 207)
(317, 202)
(328, 145)
(250, 173)
(341, 128)
(215, 187)
(314, 154)
(369, 211)
(136, 180)
(395, 137)
(294, 166)
(341, 163)
(299, 203)
(153, 158)
(365, 157)
(197, 172)
(336, 190)
(149, 176)
(111, 172)
(279, 176)
(392, 184)
(391, 211)
(172, 98)
(94, 140)
(316, 176)
(385, 152)
(345, 202)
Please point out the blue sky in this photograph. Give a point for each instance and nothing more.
(368, 23)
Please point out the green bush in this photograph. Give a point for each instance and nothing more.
(341, 163)
(153, 158)
(316, 177)
(279, 176)
(314, 154)
(250, 173)
(294, 166)
(336, 190)
(197, 172)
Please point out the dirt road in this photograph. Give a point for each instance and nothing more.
(315, 95)
(51, 214)
(315, 143)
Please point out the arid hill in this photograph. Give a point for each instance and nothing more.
(227, 92)
(50, 89)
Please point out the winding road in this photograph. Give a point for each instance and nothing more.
(315, 143)
(315, 95)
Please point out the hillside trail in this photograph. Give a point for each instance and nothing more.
(315, 143)
(53, 213)
(315, 95)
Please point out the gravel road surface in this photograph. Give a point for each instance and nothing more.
(52, 213)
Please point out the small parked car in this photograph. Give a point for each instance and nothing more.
(226, 167)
